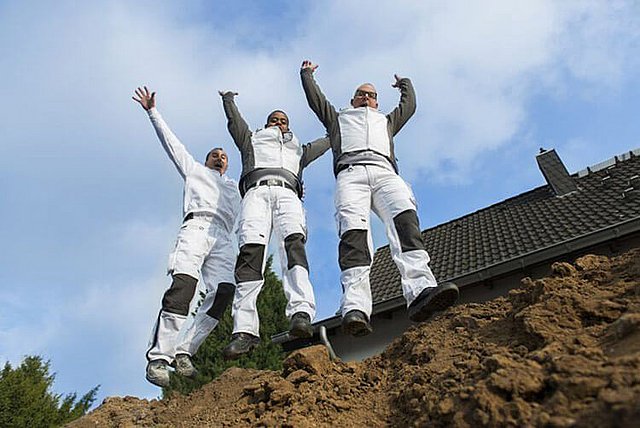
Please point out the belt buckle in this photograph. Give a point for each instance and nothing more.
(273, 182)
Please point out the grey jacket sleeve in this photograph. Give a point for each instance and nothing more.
(406, 108)
(313, 150)
(317, 101)
(236, 125)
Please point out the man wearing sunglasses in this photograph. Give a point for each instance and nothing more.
(204, 247)
(367, 179)
(271, 188)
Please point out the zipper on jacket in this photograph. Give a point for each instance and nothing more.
(366, 127)
(281, 149)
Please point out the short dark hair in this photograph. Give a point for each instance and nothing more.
(277, 111)
(206, 158)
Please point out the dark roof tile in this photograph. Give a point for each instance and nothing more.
(528, 222)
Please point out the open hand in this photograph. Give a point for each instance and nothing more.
(306, 64)
(397, 83)
(145, 99)
(223, 93)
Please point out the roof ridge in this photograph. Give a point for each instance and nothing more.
(623, 157)
(587, 171)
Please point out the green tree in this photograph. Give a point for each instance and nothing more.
(26, 399)
(267, 356)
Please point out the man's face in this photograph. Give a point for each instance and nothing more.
(278, 119)
(365, 96)
(217, 160)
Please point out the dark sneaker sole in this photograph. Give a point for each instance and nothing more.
(228, 356)
(303, 332)
(357, 328)
(436, 303)
(157, 382)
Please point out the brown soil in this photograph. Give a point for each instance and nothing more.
(562, 351)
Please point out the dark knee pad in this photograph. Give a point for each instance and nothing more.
(177, 298)
(224, 295)
(249, 263)
(296, 254)
(353, 250)
(408, 228)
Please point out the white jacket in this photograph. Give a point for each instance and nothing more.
(205, 190)
(364, 128)
(361, 135)
(273, 149)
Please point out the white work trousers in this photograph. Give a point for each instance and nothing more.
(202, 247)
(360, 189)
(266, 210)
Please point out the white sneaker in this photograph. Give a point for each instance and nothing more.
(158, 373)
(184, 366)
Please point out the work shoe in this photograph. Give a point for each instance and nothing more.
(301, 325)
(432, 300)
(184, 366)
(356, 324)
(241, 343)
(158, 373)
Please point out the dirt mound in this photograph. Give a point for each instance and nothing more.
(562, 351)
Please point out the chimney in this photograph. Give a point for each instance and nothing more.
(555, 172)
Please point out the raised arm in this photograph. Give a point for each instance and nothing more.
(177, 152)
(315, 98)
(236, 125)
(407, 106)
(313, 150)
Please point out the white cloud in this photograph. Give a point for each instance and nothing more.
(105, 326)
(475, 66)
(138, 236)
(96, 333)
(600, 38)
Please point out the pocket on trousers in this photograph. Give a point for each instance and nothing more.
(412, 196)
(251, 231)
(173, 255)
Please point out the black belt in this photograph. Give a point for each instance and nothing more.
(272, 182)
(349, 165)
(343, 167)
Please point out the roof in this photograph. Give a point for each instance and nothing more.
(533, 227)
(607, 198)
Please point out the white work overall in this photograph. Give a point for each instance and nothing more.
(360, 189)
(266, 210)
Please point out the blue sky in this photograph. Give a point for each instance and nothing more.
(91, 204)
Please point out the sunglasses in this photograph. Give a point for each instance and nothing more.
(369, 94)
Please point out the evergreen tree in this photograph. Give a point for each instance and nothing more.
(26, 399)
(267, 356)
